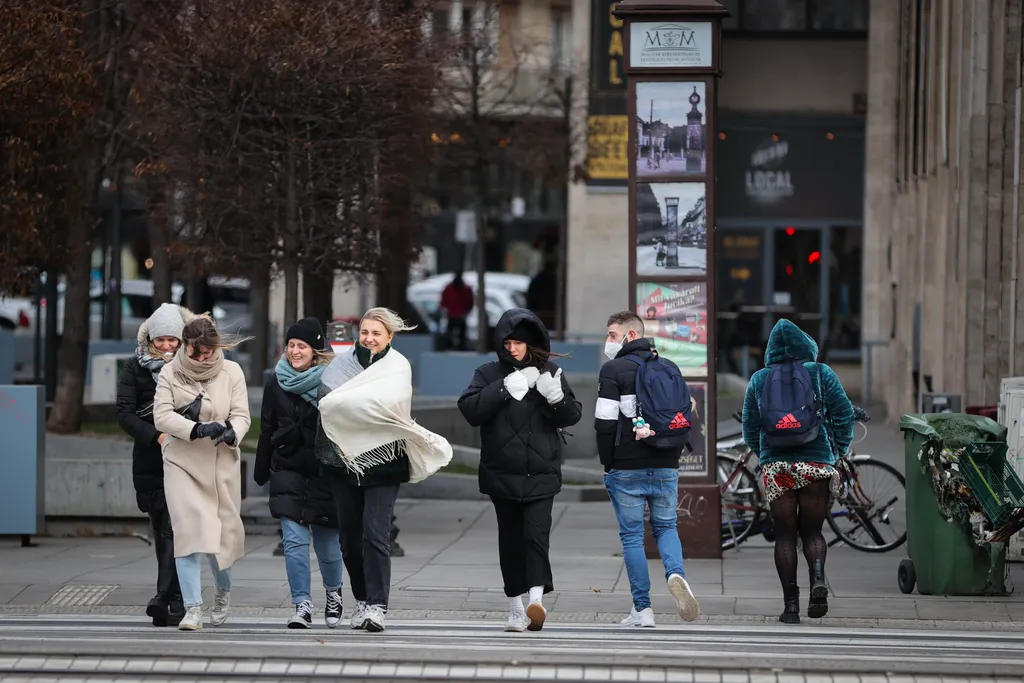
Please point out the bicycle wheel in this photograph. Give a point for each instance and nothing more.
(870, 518)
(741, 501)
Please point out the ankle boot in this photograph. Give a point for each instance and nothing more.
(817, 606)
(791, 598)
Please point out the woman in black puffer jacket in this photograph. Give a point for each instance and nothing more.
(300, 496)
(520, 402)
(159, 337)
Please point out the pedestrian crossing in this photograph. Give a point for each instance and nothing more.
(97, 647)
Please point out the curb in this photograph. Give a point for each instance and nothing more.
(569, 617)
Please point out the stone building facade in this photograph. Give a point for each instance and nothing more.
(943, 199)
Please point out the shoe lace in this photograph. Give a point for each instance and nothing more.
(375, 612)
(333, 601)
(220, 599)
(304, 609)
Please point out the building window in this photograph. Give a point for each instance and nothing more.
(839, 15)
(561, 39)
(808, 17)
(774, 15)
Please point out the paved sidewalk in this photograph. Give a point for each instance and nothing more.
(451, 572)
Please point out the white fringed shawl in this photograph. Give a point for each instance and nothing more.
(368, 411)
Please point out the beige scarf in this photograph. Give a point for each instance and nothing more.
(195, 371)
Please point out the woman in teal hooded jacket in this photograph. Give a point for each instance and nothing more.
(800, 481)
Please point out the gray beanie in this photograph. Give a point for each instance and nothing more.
(166, 322)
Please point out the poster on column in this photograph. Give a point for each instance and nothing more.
(671, 229)
(695, 462)
(671, 128)
(676, 319)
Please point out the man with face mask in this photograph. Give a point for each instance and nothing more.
(637, 471)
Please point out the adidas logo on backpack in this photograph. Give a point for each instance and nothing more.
(663, 400)
(789, 406)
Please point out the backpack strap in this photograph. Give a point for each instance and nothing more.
(826, 417)
(618, 426)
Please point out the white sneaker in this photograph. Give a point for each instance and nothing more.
(359, 616)
(517, 620)
(193, 619)
(644, 618)
(334, 609)
(221, 606)
(303, 617)
(688, 607)
(374, 619)
(536, 614)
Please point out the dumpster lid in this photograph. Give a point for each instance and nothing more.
(954, 427)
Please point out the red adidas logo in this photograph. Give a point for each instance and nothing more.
(679, 422)
(788, 422)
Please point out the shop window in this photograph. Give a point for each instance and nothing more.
(809, 17)
(845, 281)
(797, 278)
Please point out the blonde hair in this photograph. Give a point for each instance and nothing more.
(154, 352)
(320, 357)
(391, 321)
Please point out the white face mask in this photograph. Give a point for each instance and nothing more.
(611, 349)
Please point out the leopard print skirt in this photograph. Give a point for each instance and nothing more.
(782, 476)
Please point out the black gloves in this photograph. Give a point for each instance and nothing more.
(227, 435)
(208, 430)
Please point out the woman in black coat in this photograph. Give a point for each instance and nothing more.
(521, 402)
(159, 337)
(300, 495)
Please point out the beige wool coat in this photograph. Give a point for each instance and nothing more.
(203, 482)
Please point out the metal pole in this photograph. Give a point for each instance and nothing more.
(114, 297)
(52, 306)
(37, 341)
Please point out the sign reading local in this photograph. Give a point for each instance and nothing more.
(670, 44)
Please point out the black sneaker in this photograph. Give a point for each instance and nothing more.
(334, 609)
(303, 615)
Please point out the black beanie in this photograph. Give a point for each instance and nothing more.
(309, 331)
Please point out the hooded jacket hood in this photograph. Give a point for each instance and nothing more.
(789, 342)
(511, 319)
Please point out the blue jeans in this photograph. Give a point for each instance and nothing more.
(190, 577)
(630, 490)
(296, 557)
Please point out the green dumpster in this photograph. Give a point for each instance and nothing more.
(945, 559)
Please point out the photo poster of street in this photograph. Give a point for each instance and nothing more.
(671, 229)
(676, 319)
(694, 461)
(671, 128)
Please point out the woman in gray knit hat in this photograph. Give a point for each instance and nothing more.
(159, 338)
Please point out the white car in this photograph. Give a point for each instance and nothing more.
(503, 291)
(15, 313)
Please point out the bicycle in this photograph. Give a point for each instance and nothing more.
(856, 515)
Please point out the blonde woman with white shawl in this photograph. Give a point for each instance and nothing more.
(372, 446)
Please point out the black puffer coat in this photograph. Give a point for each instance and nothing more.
(135, 415)
(299, 491)
(520, 453)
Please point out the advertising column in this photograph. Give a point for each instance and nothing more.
(672, 65)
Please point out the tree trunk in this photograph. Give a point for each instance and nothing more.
(66, 414)
(259, 297)
(159, 246)
(291, 291)
(317, 291)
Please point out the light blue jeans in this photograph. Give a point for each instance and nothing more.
(630, 491)
(190, 577)
(295, 538)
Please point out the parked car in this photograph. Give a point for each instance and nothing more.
(502, 290)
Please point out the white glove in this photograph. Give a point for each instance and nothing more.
(517, 385)
(531, 374)
(550, 386)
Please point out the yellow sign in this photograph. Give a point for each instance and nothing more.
(740, 274)
(607, 140)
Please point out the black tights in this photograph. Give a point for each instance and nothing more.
(800, 513)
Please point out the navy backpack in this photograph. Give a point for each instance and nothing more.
(790, 411)
(663, 401)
